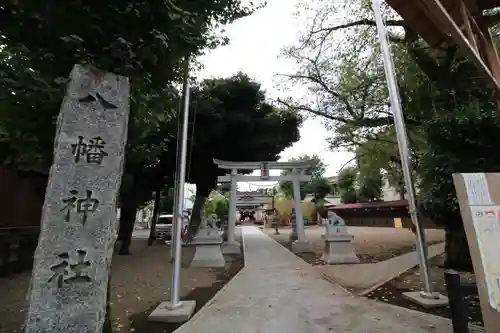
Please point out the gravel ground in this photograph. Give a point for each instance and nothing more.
(139, 283)
(371, 244)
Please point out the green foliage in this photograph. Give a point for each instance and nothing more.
(461, 143)
(216, 204)
(457, 144)
(128, 38)
(370, 186)
(144, 40)
(316, 170)
(344, 70)
(347, 185)
(221, 207)
(231, 120)
(319, 187)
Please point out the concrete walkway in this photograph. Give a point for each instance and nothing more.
(278, 292)
(363, 278)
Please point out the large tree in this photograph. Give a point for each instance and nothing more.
(346, 183)
(231, 120)
(339, 60)
(146, 41)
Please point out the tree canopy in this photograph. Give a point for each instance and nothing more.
(230, 119)
(147, 41)
(339, 61)
(316, 171)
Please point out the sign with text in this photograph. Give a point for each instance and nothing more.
(486, 221)
(78, 228)
(479, 197)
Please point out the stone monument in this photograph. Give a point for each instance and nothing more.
(78, 228)
(208, 243)
(338, 243)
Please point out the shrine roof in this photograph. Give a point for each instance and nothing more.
(394, 204)
(420, 18)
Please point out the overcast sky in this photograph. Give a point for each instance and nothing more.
(254, 48)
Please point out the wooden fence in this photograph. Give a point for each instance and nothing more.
(381, 214)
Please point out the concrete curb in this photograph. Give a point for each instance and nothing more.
(381, 283)
(196, 316)
(332, 281)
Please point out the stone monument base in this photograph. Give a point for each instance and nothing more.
(339, 250)
(301, 246)
(435, 300)
(231, 248)
(165, 314)
(208, 249)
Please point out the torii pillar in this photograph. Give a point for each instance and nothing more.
(231, 246)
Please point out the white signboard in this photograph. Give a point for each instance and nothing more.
(486, 221)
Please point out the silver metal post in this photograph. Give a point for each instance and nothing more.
(402, 139)
(174, 294)
(177, 175)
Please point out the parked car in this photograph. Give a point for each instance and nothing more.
(164, 226)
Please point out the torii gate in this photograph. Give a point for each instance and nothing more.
(295, 175)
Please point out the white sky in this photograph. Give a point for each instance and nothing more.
(254, 48)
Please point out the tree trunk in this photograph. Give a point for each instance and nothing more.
(196, 215)
(152, 229)
(457, 250)
(127, 221)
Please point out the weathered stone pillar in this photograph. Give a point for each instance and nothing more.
(231, 246)
(78, 228)
(300, 245)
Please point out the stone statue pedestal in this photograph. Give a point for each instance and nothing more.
(338, 243)
(339, 250)
(208, 248)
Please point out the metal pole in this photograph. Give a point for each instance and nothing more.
(177, 174)
(402, 139)
(174, 294)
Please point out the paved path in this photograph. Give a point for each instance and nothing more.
(364, 278)
(278, 292)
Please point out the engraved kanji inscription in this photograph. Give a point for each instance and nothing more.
(83, 206)
(66, 272)
(93, 150)
(92, 97)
